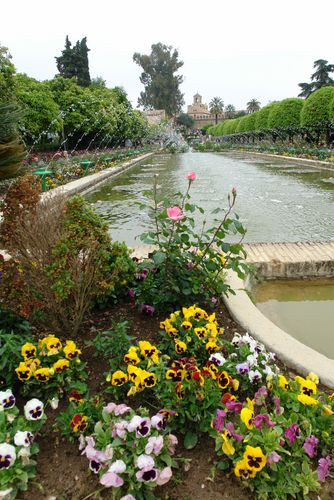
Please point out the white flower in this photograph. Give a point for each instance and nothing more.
(217, 358)
(23, 438)
(144, 461)
(34, 409)
(128, 497)
(4, 493)
(252, 359)
(24, 454)
(254, 376)
(7, 455)
(268, 371)
(157, 421)
(118, 467)
(134, 423)
(7, 399)
(236, 339)
(109, 452)
(11, 418)
(54, 403)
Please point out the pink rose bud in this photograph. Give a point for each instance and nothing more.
(175, 213)
(192, 176)
(234, 191)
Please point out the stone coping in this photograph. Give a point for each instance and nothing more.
(91, 182)
(324, 165)
(293, 353)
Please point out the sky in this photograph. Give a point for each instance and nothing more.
(236, 49)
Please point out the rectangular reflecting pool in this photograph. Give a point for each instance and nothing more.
(304, 309)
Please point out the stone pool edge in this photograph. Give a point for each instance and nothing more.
(293, 353)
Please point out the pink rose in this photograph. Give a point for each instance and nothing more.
(175, 213)
(192, 176)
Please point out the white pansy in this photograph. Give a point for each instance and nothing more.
(134, 423)
(7, 455)
(7, 399)
(34, 409)
(254, 376)
(24, 455)
(54, 403)
(252, 359)
(118, 467)
(217, 358)
(144, 461)
(23, 438)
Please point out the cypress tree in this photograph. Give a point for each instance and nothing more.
(73, 62)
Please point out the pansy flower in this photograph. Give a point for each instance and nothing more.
(186, 325)
(119, 378)
(255, 376)
(33, 364)
(23, 372)
(227, 446)
(70, 350)
(255, 458)
(7, 456)
(75, 397)
(7, 399)
(23, 438)
(283, 383)
(246, 416)
(263, 419)
(149, 379)
(200, 332)
(28, 351)
(307, 387)
(79, 423)
(61, 365)
(180, 347)
(232, 433)
(223, 380)
(218, 421)
(177, 375)
(211, 346)
(52, 344)
(34, 409)
(310, 445)
(307, 400)
(324, 465)
(292, 432)
(242, 470)
(42, 375)
(131, 357)
(179, 390)
(242, 368)
(217, 358)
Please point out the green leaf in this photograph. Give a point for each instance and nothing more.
(159, 258)
(190, 440)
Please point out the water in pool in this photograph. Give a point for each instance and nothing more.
(277, 200)
(304, 309)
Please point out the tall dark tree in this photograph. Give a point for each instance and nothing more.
(73, 62)
(320, 78)
(162, 84)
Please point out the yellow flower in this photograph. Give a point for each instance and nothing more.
(246, 416)
(61, 365)
(199, 313)
(222, 259)
(147, 349)
(227, 447)
(327, 410)
(119, 378)
(52, 344)
(42, 374)
(149, 379)
(174, 316)
(33, 364)
(132, 391)
(283, 383)
(131, 357)
(235, 384)
(172, 332)
(331, 396)
(186, 325)
(211, 329)
(200, 332)
(175, 375)
(179, 389)
(251, 404)
(70, 350)
(28, 351)
(313, 377)
(180, 346)
(255, 458)
(211, 346)
(23, 371)
(223, 379)
(307, 387)
(307, 400)
(242, 470)
(164, 325)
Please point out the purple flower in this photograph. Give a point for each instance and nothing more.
(154, 445)
(242, 368)
(190, 264)
(278, 408)
(263, 418)
(254, 376)
(230, 428)
(218, 422)
(95, 466)
(146, 309)
(292, 433)
(142, 275)
(131, 293)
(234, 406)
(323, 468)
(172, 443)
(147, 474)
(214, 300)
(273, 458)
(260, 396)
(310, 445)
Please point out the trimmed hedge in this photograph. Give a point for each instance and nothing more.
(286, 113)
(247, 123)
(316, 110)
(262, 116)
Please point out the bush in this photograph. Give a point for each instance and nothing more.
(262, 116)
(286, 113)
(247, 123)
(316, 110)
(10, 355)
(63, 263)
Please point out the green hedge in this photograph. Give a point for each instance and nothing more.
(262, 116)
(286, 113)
(316, 109)
(247, 123)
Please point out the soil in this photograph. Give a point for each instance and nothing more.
(63, 474)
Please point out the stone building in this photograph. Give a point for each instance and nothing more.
(155, 116)
(200, 113)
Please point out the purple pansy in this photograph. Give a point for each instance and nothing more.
(310, 445)
(242, 368)
(235, 406)
(292, 433)
(323, 468)
(218, 422)
(263, 419)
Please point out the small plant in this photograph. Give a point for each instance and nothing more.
(112, 344)
(190, 261)
(10, 355)
(17, 443)
(50, 368)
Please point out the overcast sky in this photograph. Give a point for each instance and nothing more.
(235, 49)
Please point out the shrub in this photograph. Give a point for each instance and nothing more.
(10, 354)
(64, 262)
(189, 263)
(286, 113)
(233, 125)
(247, 123)
(262, 116)
(316, 110)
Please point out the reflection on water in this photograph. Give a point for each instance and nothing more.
(304, 309)
(277, 200)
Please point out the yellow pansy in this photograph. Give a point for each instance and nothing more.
(131, 357)
(200, 332)
(242, 470)
(180, 347)
(283, 383)
(119, 378)
(186, 325)
(246, 416)
(255, 458)
(313, 377)
(307, 387)
(307, 400)
(43, 374)
(227, 447)
(23, 372)
(70, 350)
(61, 365)
(33, 364)
(28, 351)
(211, 346)
(147, 349)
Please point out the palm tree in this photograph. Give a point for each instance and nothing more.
(11, 149)
(229, 111)
(216, 107)
(253, 105)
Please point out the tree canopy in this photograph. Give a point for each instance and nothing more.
(253, 105)
(73, 62)
(216, 106)
(320, 78)
(162, 84)
(185, 120)
(7, 73)
(286, 113)
(316, 110)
